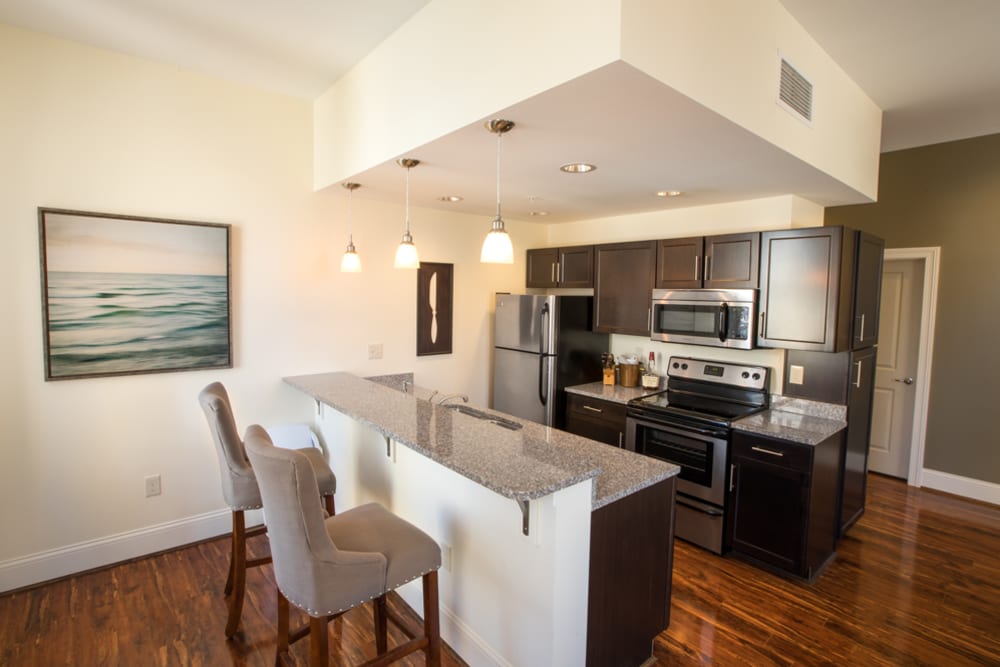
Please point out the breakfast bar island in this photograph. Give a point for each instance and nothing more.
(556, 549)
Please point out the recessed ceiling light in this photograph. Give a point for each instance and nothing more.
(451, 199)
(577, 168)
(669, 193)
(539, 213)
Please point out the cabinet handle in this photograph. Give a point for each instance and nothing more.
(708, 267)
(620, 434)
(552, 272)
(761, 331)
(862, 336)
(649, 319)
(562, 272)
(696, 272)
(732, 477)
(593, 409)
(857, 380)
(768, 451)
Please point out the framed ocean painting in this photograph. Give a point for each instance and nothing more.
(123, 295)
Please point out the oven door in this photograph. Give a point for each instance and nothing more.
(700, 453)
(700, 322)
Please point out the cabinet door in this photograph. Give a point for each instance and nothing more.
(679, 263)
(542, 263)
(576, 266)
(623, 281)
(867, 290)
(800, 272)
(859, 420)
(596, 419)
(732, 261)
(769, 512)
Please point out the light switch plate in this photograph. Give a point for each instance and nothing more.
(796, 374)
(375, 350)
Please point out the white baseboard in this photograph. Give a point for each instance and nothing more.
(968, 487)
(60, 562)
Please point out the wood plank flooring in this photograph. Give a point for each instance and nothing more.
(916, 582)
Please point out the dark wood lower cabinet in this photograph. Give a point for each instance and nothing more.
(785, 502)
(631, 566)
(596, 419)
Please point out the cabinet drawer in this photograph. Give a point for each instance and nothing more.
(596, 410)
(775, 452)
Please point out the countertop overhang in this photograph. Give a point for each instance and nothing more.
(525, 464)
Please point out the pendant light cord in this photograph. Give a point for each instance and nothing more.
(407, 201)
(350, 216)
(499, 134)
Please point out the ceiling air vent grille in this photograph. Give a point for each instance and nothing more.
(795, 91)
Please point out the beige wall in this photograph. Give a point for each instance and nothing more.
(88, 129)
(948, 195)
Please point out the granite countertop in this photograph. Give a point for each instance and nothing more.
(607, 392)
(523, 464)
(793, 426)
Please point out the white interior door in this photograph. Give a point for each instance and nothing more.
(895, 376)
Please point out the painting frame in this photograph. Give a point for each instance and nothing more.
(131, 295)
(434, 315)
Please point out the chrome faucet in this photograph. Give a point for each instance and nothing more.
(444, 399)
(406, 385)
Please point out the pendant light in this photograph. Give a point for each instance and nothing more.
(406, 253)
(497, 248)
(351, 261)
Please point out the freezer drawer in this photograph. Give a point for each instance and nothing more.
(520, 383)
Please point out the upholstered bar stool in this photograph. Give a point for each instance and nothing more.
(239, 488)
(328, 566)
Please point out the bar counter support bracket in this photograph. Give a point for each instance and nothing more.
(525, 513)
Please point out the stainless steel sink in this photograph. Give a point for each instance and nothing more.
(485, 416)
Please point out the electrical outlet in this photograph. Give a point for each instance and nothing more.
(446, 557)
(153, 486)
(374, 350)
(796, 374)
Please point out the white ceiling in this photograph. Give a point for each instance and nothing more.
(932, 65)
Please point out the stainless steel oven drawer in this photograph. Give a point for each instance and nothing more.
(699, 523)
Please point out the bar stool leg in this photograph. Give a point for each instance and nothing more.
(432, 626)
(238, 572)
(319, 642)
(381, 625)
(328, 503)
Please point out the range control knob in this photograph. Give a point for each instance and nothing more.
(745, 375)
(676, 365)
(756, 376)
(684, 367)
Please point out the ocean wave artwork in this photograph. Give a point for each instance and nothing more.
(136, 322)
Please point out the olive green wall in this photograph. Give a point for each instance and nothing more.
(948, 195)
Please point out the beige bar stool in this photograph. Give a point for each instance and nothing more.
(239, 488)
(328, 566)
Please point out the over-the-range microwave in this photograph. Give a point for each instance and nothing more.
(717, 317)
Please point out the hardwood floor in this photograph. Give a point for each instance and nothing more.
(916, 582)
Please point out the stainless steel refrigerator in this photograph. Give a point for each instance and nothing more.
(541, 345)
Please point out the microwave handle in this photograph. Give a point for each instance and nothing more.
(723, 322)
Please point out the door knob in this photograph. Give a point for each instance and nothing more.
(904, 380)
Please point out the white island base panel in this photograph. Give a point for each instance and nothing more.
(505, 598)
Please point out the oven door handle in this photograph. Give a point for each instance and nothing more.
(711, 511)
(723, 322)
(676, 428)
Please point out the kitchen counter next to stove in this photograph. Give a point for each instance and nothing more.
(793, 426)
(613, 393)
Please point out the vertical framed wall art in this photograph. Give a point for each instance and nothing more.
(434, 308)
(123, 295)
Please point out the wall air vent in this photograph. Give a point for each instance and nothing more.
(795, 92)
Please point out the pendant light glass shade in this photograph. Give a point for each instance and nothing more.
(351, 261)
(406, 253)
(497, 247)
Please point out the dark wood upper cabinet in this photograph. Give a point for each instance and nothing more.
(561, 267)
(819, 289)
(719, 262)
(624, 274)
(867, 290)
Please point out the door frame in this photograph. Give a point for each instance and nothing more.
(931, 258)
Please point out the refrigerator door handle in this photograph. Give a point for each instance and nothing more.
(541, 379)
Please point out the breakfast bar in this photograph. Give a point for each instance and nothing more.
(547, 538)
